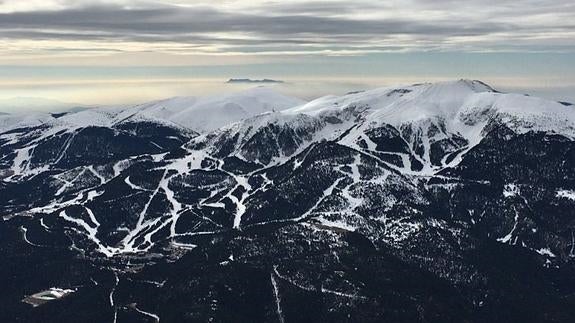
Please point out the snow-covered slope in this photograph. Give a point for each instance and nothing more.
(203, 114)
(446, 117)
(12, 121)
(460, 105)
(199, 114)
(161, 124)
(430, 126)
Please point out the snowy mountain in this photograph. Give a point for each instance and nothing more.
(423, 203)
(164, 125)
(422, 123)
(203, 114)
(198, 114)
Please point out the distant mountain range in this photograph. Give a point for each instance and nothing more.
(250, 81)
(436, 202)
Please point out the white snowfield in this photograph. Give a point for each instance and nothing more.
(203, 114)
(200, 114)
(462, 105)
(431, 111)
(13, 121)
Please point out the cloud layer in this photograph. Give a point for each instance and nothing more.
(67, 28)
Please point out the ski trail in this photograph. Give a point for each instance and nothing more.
(326, 194)
(148, 314)
(176, 206)
(65, 148)
(100, 177)
(129, 240)
(277, 297)
(24, 231)
(134, 186)
(112, 304)
(509, 236)
(68, 184)
(90, 233)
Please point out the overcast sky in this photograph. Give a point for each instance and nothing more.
(65, 48)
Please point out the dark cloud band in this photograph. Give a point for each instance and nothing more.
(315, 24)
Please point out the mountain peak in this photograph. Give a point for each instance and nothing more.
(459, 86)
(444, 97)
(207, 113)
(476, 85)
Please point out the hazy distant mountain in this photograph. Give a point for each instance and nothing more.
(251, 81)
(445, 202)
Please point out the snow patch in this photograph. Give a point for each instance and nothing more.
(546, 252)
(567, 194)
(511, 190)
